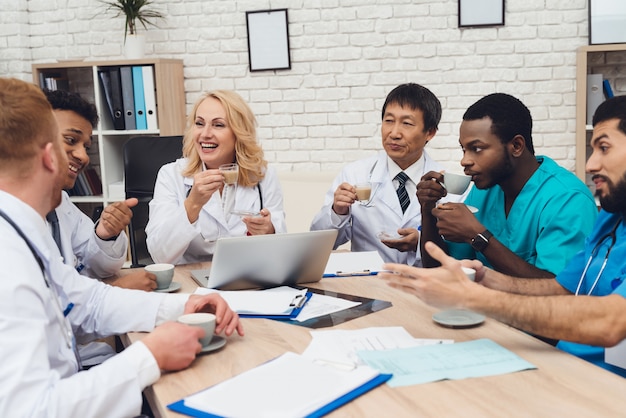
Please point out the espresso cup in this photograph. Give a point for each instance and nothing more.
(230, 173)
(456, 183)
(164, 274)
(470, 273)
(363, 191)
(206, 321)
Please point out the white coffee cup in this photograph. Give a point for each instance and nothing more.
(470, 273)
(456, 183)
(206, 321)
(164, 274)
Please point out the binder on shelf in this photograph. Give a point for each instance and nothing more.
(140, 101)
(128, 100)
(150, 97)
(608, 91)
(595, 95)
(112, 86)
(327, 388)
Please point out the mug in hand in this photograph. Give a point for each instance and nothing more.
(164, 274)
(363, 191)
(456, 183)
(230, 173)
(206, 321)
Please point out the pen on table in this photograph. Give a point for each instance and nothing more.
(340, 273)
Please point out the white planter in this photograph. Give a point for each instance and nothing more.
(135, 46)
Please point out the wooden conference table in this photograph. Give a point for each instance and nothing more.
(562, 385)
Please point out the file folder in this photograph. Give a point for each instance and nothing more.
(140, 103)
(112, 86)
(327, 388)
(128, 100)
(150, 98)
(298, 306)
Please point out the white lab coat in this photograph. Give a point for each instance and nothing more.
(39, 375)
(170, 236)
(363, 224)
(81, 246)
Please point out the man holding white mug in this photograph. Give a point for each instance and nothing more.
(533, 215)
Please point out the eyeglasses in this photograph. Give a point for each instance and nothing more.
(613, 237)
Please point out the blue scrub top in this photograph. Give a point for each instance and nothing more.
(547, 223)
(611, 281)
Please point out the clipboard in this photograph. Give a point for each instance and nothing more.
(298, 303)
(332, 402)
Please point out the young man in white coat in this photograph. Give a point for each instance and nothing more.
(410, 118)
(97, 251)
(45, 305)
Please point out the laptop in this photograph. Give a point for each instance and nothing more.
(264, 261)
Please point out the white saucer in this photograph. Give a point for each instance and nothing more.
(472, 208)
(216, 344)
(458, 318)
(388, 236)
(174, 286)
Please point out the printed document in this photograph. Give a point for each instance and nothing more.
(415, 365)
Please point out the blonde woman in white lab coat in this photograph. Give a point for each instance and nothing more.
(190, 210)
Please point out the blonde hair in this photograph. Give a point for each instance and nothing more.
(27, 124)
(248, 152)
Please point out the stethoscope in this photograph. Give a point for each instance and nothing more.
(613, 236)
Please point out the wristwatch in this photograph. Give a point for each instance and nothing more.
(480, 241)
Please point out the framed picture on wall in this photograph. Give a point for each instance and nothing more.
(481, 13)
(607, 22)
(268, 40)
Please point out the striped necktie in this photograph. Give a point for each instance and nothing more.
(403, 196)
(53, 220)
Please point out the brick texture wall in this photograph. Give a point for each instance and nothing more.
(346, 55)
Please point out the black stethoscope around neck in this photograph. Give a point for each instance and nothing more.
(613, 237)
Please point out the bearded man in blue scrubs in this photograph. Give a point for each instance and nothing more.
(533, 215)
(584, 305)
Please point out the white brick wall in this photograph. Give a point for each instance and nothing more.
(346, 56)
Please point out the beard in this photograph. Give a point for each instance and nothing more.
(615, 200)
(501, 172)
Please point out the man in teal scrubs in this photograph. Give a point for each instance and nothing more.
(584, 306)
(533, 215)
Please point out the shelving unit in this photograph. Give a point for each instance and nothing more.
(106, 155)
(610, 60)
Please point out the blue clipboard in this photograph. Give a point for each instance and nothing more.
(179, 406)
(298, 306)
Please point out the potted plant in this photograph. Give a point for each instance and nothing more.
(135, 11)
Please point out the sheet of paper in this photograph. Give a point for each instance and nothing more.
(340, 346)
(415, 365)
(288, 386)
(275, 301)
(320, 305)
(353, 263)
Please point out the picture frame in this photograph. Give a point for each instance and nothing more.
(607, 19)
(481, 13)
(268, 40)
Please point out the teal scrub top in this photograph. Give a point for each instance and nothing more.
(610, 281)
(547, 223)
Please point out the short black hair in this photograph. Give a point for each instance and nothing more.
(509, 117)
(613, 108)
(65, 100)
(416, 97)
